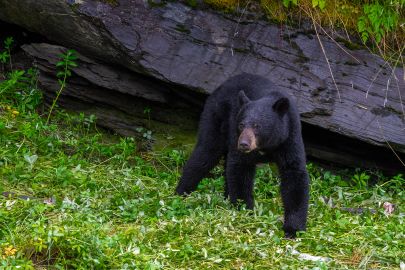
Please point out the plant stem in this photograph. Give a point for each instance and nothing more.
(62, 86)
(9, 58)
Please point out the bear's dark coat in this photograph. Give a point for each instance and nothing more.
(247, 121)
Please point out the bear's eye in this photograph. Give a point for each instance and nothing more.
(256, 126)
(241, 126)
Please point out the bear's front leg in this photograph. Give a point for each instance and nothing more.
(201, 161)
(239, 180)
(295, 196)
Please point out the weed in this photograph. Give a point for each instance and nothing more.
(19, 89)
(378, 20)
(66, 63)
(147, 111)
(6, 54)
(146, 134)
(361, 180)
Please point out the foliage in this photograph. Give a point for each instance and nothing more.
(225, 5)
(146, 133)
(21, 86)
(6, 54)
(319, 3)
(378, 21)
(66, 63)
(288, 3)
(98, 203)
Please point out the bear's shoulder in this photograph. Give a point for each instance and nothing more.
(254, 86)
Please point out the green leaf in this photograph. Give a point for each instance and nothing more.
(72, 57)
(378, 37)
(4, 56)
(286, 3)
(361, 26)
(366, 9)
(17, 74)
(364, 37)
(315, 3)
(72, 64)
(8, 42)
(322, 4)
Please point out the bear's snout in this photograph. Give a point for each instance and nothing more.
(247, 141)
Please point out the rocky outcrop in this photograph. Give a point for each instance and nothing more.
(117, 96)
(172, 55)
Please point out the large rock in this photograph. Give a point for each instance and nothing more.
(193, 51)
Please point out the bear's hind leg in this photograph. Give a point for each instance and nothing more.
(295, 196)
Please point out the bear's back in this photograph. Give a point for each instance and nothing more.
(254, 86)
(224, 101)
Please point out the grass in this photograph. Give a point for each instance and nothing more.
(96, 202)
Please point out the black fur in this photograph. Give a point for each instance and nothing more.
(250, 101)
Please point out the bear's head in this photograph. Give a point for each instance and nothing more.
(262, 124)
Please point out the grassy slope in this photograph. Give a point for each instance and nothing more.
(115, 209)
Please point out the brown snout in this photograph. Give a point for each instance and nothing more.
(247, 141)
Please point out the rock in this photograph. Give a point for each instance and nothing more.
(172, 55)
(117, 96)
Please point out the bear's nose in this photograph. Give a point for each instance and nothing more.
(244, 146)
(247, 141)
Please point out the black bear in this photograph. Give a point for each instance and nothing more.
(247, 121)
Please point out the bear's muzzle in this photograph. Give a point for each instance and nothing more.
(247, 141)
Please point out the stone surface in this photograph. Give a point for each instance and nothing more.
(118, 97)
(139, 51)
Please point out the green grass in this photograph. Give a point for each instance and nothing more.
(113, 206)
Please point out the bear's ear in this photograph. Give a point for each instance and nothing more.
(281, 106)
(243, 99)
